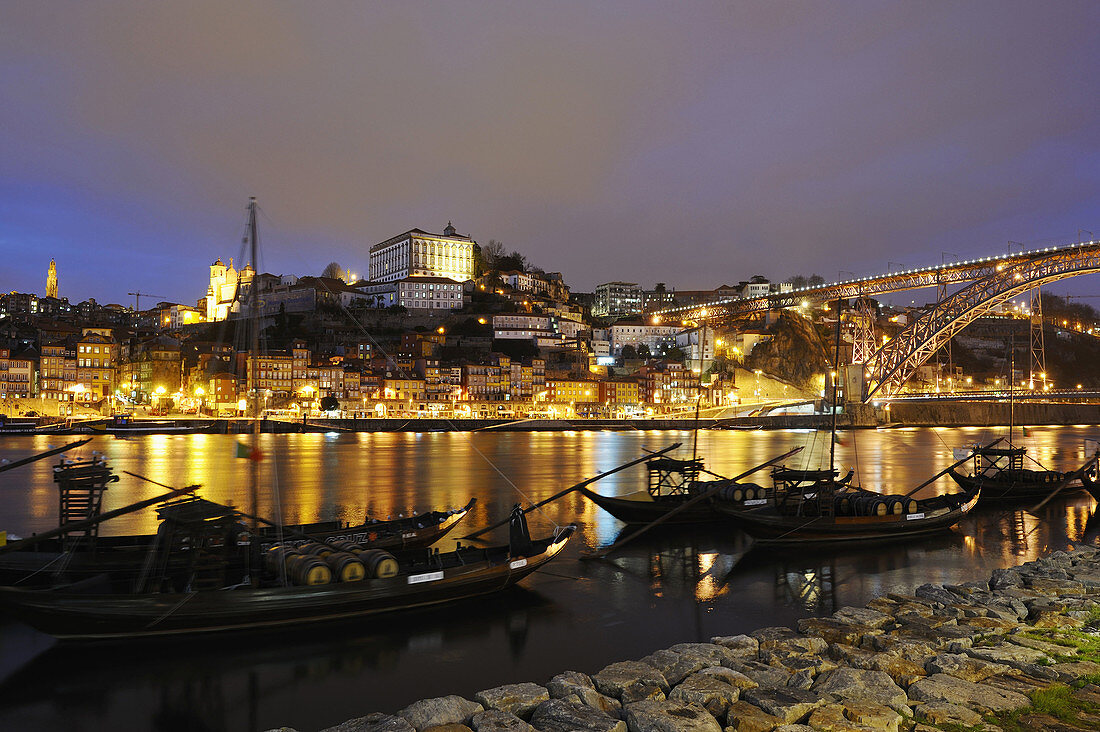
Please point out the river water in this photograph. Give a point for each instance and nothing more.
(667, 587)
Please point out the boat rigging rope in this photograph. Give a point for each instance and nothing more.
(279, 514)
(172, 609)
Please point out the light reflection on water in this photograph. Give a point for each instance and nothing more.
(670, 586)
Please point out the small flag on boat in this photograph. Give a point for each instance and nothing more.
(837, 440)
(1023, 429)
(244, 451)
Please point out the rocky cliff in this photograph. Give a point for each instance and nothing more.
(794, 353)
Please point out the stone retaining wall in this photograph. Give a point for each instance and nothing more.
(945, 657)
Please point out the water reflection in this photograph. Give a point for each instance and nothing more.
(667, 587)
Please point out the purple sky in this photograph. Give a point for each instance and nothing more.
(692, 143)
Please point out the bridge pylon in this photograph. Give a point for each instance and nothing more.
(1038, 351)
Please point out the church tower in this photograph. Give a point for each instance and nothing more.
(51, 280)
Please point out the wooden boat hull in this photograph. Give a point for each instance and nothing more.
(79, 616)
(123, 556)
(641, 508)
(1006, 486)
(768, 526)
(1091, 484)
(415, 531)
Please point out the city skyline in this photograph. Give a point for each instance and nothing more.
(693, 146)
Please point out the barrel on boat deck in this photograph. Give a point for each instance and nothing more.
(733, 493)
(842, 505)
(345, 545)
(277, 555)
(316, 548)
(308, 570)
(346, 567)
(379, 563)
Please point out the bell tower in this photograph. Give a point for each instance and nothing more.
(51, 280)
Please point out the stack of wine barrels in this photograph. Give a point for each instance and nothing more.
(738, 492)
(865, 503)
(301, 568)
(314, 563)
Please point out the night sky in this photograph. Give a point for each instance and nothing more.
(692, 143)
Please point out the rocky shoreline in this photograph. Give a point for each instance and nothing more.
(1020, 651)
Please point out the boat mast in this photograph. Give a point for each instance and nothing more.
(1011, 383)
(253, 353)
(836, 376)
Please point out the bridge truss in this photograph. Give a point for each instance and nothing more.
(894, 363)
(988, 282)
(951, 273)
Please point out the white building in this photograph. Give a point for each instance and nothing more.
(417, 253)
(657, 338)
(418, 293)
(617, 298)
(698, 347)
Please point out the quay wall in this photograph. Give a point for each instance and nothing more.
(854, 416)
(971, 656)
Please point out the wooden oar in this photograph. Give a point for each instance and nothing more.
(688, 504)
(1070, 477)
(48, 453)
(951, 467)
(85, 523)
(576, 487)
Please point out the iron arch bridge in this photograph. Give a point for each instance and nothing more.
(952, 273)
(891, 366)
(989, 281)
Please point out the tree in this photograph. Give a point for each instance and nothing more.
(643, 351)
(329, 404)
(659, 287)
(629, 353)
(491, 252)
(799, 281)
(333, 271)
(479, 261)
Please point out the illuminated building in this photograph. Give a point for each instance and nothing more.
(51, 280)
(617, 298)
(417, 253)
(221, 296)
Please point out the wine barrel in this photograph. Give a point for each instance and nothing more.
(843, 505)
(346, 545)
(346, 567)
(911, 506)
(316, 548)
(860, 504)
(307, 570)
(379, 563)
(736, 493)
(277, 555)
(878, 507)
(750, 493)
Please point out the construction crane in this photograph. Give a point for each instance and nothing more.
(137, 299)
